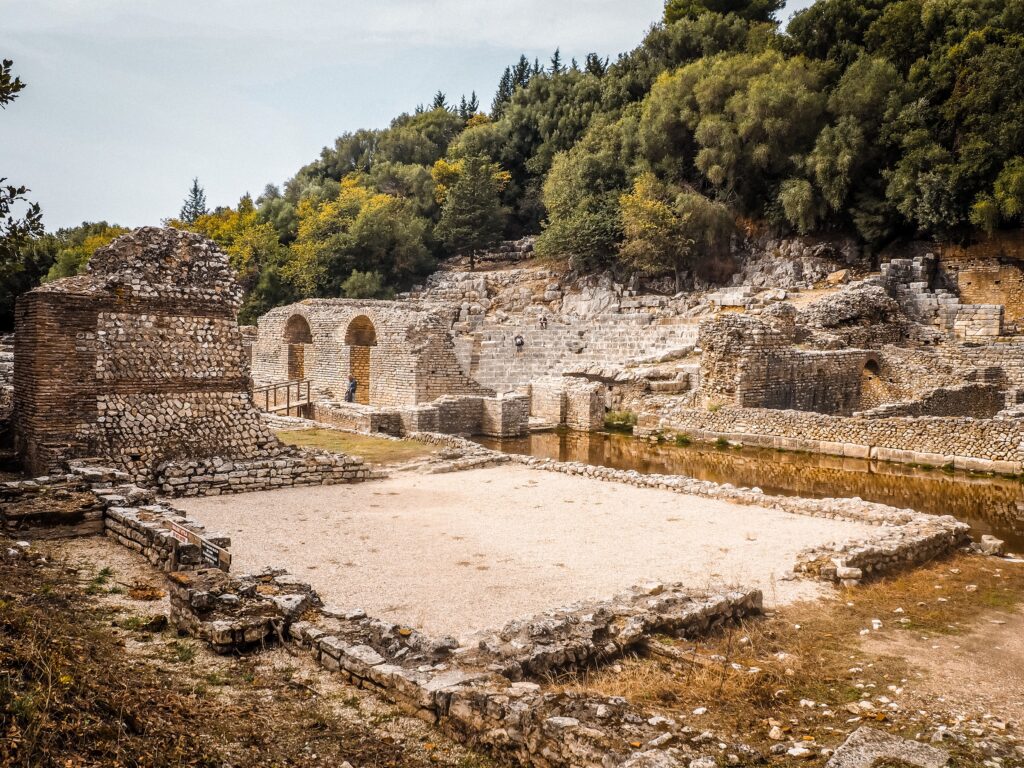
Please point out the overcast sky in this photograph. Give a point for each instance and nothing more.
(127, 100)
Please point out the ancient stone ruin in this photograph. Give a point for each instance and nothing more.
(139, 363)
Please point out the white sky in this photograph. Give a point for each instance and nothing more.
(127, 100)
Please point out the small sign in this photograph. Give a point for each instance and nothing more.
(212, 555)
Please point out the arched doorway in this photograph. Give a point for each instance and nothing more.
(360, 337)
(872, 388)
(297, 336)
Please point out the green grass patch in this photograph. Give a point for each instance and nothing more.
(683, 440)
(620, 421)
(375, 450)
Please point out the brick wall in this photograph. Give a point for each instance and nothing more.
(141, 362)
(412, 360)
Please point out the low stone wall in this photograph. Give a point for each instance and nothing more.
(234, 613)
(477, 695)
(568, 401)
(502, 416)
(145, 530)
(213, 477)
(982, 445)
(977, 400)
(51, 506)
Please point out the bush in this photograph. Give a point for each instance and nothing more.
(620, 421)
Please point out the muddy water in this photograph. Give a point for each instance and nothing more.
(989, 504)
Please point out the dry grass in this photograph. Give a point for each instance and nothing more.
(809, 654)
(374, 450)
(78, 692)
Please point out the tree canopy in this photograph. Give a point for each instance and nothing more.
(882, 119)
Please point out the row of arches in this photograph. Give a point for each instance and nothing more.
(360, 337)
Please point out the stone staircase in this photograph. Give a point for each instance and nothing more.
(909, 281)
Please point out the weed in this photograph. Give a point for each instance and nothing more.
(721, 444)
(182, 652)
(620, 421)
(683, 440)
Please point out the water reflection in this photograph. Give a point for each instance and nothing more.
(989, 504)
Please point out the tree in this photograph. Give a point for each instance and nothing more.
(752, 10)
(666, 228)
(472, 216)
(654, 237)
(503, 94)
(557, 67)
(194, 205)
(20, 272)
(364, 285)
(440, 101)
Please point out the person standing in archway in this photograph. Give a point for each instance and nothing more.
(350, 390)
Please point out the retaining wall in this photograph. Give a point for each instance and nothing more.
(982, 445)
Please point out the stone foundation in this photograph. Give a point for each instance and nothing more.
(502, 417)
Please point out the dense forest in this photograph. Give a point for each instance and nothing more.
(884, 119)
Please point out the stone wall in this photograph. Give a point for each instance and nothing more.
(138, 361)
(489, 354)
(978, 400)
(753, 362)
(411, 358)
(568, 401)
(502, 416)
(987, 445)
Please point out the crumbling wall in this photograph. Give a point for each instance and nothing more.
(140, 362)
(411, 360)
(753, 362)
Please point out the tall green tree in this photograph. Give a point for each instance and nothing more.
(19, 269)
(194, 205)
(472, 216)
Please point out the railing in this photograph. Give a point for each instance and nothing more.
(284, 396)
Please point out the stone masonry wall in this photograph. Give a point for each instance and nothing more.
(988, 445)
(141, 363)
(138, 361)
(412, 359)
(752, 362)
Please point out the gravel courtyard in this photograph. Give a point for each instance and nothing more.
(460, 552)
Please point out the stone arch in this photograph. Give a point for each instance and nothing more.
(873, 389)
(298, 337)
(360, 337)
(361, 332)
(296, 330)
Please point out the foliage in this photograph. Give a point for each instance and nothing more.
(364, 285)
(753, 10)
(20, 266)
(194, 205)
(76, 245)
(472, 216)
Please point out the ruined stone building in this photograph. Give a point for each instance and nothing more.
(400, 353)
(140, 362)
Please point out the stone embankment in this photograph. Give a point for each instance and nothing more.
(284, 468)
(981, 445)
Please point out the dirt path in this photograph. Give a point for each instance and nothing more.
(987, 665)
(455, 553)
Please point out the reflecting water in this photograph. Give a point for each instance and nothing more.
(989, 504)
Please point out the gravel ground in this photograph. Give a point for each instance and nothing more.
(461, 552)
